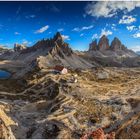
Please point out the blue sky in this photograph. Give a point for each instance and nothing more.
(78, 22)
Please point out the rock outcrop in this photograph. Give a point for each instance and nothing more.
(58, 38)
(102, 75)
(114, 54)
(19, 47)
(93, 45)
(99, 134)
(103, 43)
(117, 45)
(54, 46)
(60, 47)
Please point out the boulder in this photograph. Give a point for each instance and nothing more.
(102, 75)
(99, 134)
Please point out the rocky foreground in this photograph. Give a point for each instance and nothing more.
(52, 105)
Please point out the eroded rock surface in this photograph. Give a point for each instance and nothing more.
(54, 106)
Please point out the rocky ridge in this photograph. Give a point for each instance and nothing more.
(103, 45)
(4, 49)
(45, 53)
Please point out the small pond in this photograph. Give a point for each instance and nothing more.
(4, 74)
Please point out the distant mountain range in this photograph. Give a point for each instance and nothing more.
(138, 52)
(51, 52)
(3, 49)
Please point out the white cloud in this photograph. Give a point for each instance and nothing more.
(105, 32)
(136, 35)
(65, 37)
(60, 30)
(87, 27)
(107, 25)
(127, 20)
(17, 33)
(110, 8)
(55, 9)
(25, 42)
(81, 35)
(136, 48)
(77, 29)
(42, 29)
(113, 27)
(18, 10)
(30, 16)
(131, 28)
(95, 36)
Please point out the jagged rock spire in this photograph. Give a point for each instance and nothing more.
(57, 37)
(93, 45)
(61, 48)
(103, 43)
(117, 45)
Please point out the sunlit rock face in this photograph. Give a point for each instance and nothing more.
(19, 47)
(103, 43)
(117, 45)
(61, 48)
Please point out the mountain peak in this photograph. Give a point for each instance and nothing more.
(103, 36)
(117, 45)
(115, 38)
(61, 48)
(93, 45)
(57, 37)
(103, 43)
(54, 46)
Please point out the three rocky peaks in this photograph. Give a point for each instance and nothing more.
(103, 44)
